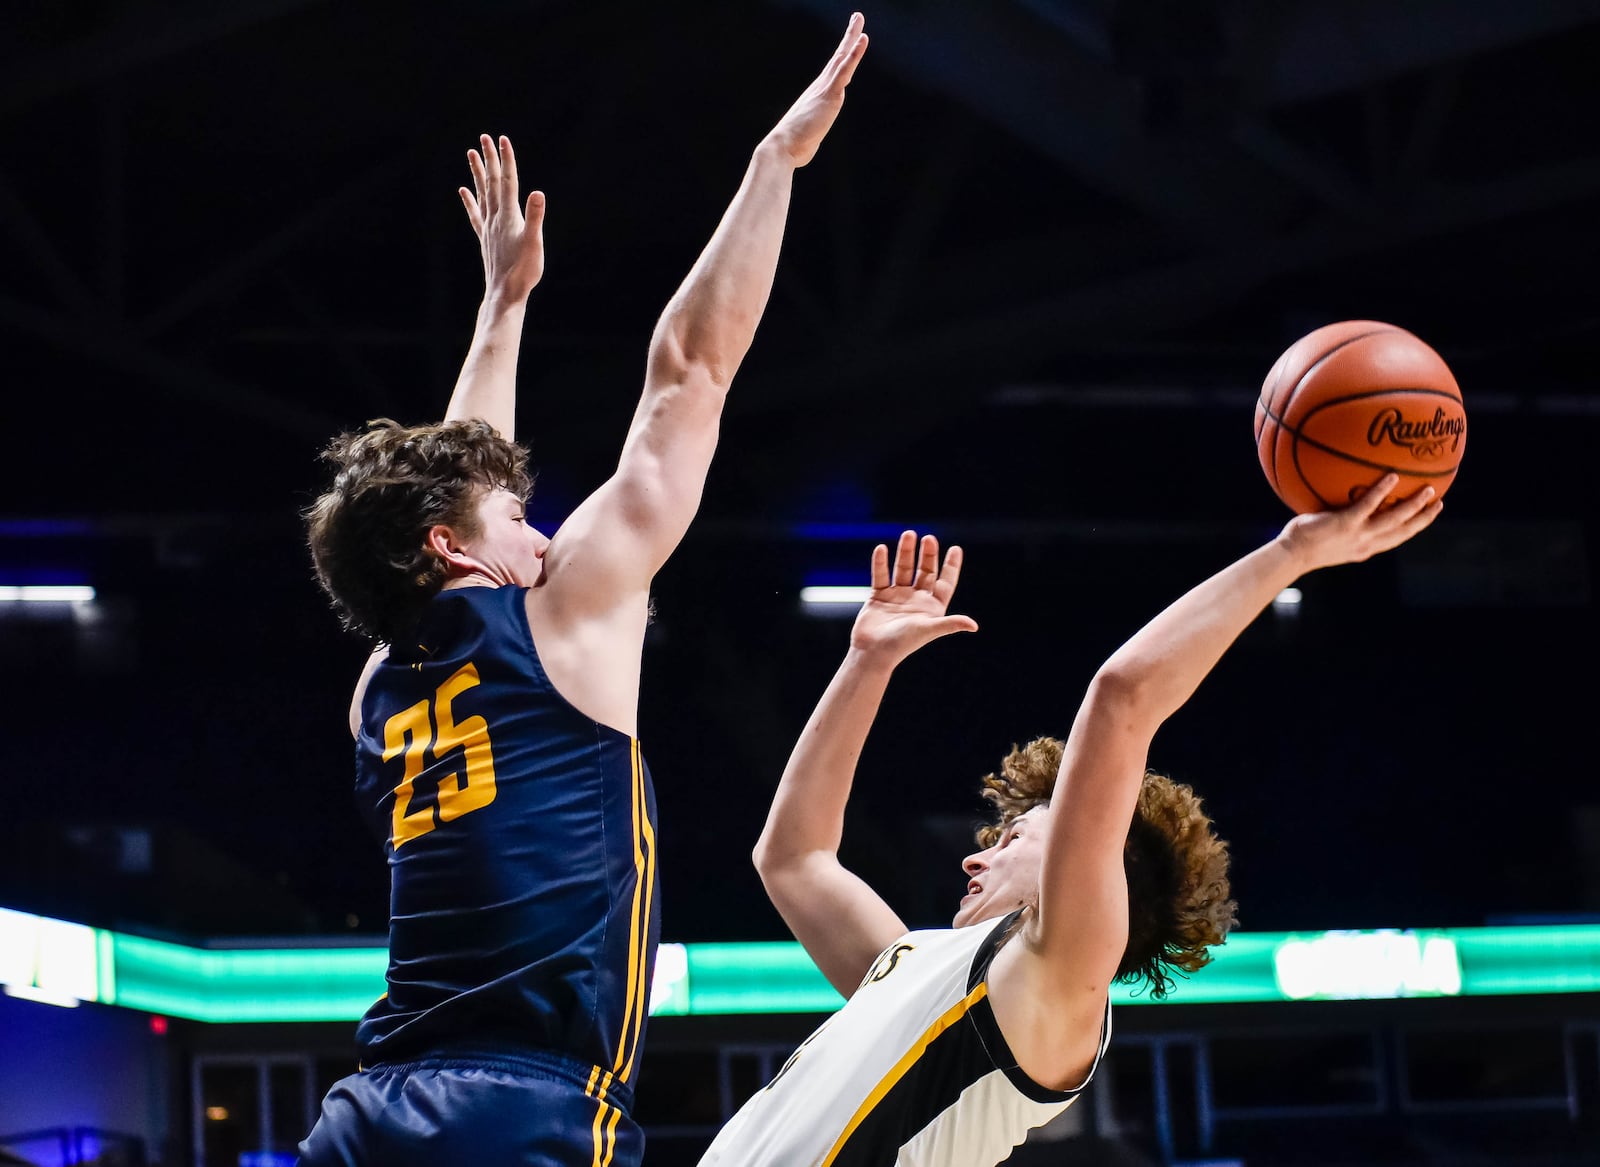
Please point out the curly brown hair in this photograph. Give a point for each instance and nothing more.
(368, 531)
(1179, 901)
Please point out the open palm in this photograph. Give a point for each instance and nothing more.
(510, 234)
(909, 604)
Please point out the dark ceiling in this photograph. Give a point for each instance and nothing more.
(1029, 288)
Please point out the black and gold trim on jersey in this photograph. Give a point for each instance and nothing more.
(606, 1117)
(1001, 1057)
(644, 864)
(607, 1113)
(959, 1048)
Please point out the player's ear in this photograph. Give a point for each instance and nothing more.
(445, 542)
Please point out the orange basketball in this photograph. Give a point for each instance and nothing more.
(1348, 403)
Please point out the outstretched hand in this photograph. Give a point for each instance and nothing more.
(1363, 529)
(801, 130)
(908, 606)
(510, 235)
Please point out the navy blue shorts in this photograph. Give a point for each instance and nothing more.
(538, 1110)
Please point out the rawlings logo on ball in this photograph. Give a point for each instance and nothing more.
(1426, 440)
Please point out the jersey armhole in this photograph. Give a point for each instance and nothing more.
(994, 1042)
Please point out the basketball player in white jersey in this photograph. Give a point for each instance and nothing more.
(954, 1043)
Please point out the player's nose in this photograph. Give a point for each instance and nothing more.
(975, 863)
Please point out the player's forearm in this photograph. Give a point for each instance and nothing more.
(1161, 665)
(487, 386)
(807, 814)
(711, 319)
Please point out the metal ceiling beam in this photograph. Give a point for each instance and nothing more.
(56, 273)
(1322, 47)
(1333, 46)
(206, 290)
(1157, 297)
(138, 38)
(925, 208)
(107, 344)
(1076, 108)
(1063, 90)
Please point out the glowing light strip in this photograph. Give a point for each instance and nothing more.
(46, 594)
(42, 996)
(63, 961)
(818, 595)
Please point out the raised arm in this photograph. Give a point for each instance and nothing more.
(628, 528)
(842, 923)
(1076, 940)
(511, 238)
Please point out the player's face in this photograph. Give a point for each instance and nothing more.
(1003, 877)
(510, 551)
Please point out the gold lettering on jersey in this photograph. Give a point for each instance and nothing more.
(471, 737)
(412, 731)
(795, 1057)
(886, 962)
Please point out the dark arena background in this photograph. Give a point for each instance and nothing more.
(1029, 290)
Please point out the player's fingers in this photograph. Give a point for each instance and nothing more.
(847, 67)
(843, 61)
(508, 165)
(1405, 509)
(479, 181)
(950, 573)
(905, 559)
(1390, 523)
(880, 567)
(944, 588)
(1413, 525)
(852, 33)
(491, 167)
(945, 625)
(534, 211)
(1372, 498)
(472, 209)
(928, 562)
(1423, 518)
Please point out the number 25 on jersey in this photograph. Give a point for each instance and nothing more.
(412, 731)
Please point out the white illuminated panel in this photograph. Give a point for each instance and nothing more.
(41, 996)
(48, 960)
(1367, 966)
(835, 594)
(47, 594)
(833, 600)
(669, 988)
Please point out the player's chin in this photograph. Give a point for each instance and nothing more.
(966, 913)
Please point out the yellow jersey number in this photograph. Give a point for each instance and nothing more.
(412, 731)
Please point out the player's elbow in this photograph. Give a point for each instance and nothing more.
(1122, 696)
(689, 357)
(768, 859)
(779, 867)
(776, 878)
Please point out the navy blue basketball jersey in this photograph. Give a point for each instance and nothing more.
(524, 905)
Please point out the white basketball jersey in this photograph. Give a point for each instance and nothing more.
(912, 1072)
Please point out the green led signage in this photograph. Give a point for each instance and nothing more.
(63, 963)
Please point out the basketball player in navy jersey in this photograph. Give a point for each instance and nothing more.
(954, 1043)
(496, 753)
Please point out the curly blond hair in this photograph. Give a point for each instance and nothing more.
(1179, 901)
